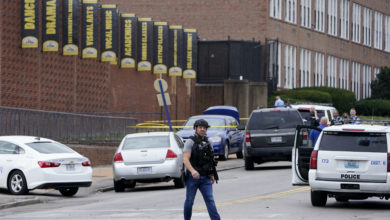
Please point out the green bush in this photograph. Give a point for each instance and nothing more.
(377, 107)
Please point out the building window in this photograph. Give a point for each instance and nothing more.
(344, 74)
(290, 67)
(367, 22)
(344, 19)
(279, 64)
(275, 9)
(306, 13)
(376, 72)
(387, 33)
(356, 22)
(356, 79)
(274, 61)
(290, 14)
(332, 71)
(319, 15)
(378, 26)
(319, 69)
(305, 67)
(366, 81)
(332, 17)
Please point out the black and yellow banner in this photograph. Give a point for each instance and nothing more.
(29, 16)
(190, 53)
(144, 45)
(175, 51)
(109, 33)
(89, 29)
(70, 33)
(50, 36)
(160, 48)
(128, 39)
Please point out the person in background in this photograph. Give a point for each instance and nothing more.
(313, 136)
(354, 119)
(336, 118)
(345, 116)
(313, 118)
(288, 104)
(279, 102)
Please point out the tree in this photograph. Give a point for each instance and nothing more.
(380, 86)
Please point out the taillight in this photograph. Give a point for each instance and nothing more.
(388, 162)
(247, 136)
(86, 163)
(170, 154)
(313, 159)
(118, 157)
(304, 134)
(46, 164)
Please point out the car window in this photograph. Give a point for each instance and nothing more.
(146, 142)
(47, 147)
(353, 141)
(274, 120)
(329, 114)
(219, 122)
(305, 113)
(10, 148)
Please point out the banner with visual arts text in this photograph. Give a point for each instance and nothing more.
(109, 33)
(128, 38)
(70, 30)
(175, 50)
(29, 24)
(160, 48)
(144, 44)
(89, 29)
(50, 35)
(190, 53)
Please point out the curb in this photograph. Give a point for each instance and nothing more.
(20, 203)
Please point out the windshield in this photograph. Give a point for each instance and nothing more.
(274, 120)
(354, 141)
(146, 142)
(219, 122)
(50, 147)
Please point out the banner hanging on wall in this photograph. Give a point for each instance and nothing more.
(175, 50)
(128, 37)
(29, 17)
(50, 36)
(160, 47)
(190, 53)
(109, 33)
(89, 29)
(70, 30)
(144, 44)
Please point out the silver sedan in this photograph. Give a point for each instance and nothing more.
(149, 157)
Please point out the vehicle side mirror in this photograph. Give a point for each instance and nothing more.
(241, 127)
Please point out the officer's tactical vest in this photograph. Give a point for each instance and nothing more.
(202, 157)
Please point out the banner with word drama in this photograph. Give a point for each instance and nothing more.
(50, 36)
(29, 21)
(175, 50)
(160, 48)
(144, 44)
(190, 53)
(89, 29)
(128, 39)
(109, 33)
(70, 30)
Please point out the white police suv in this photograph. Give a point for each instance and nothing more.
(347, 162)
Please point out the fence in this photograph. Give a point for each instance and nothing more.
(65, 127)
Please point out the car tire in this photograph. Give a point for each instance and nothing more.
(318, 198)
(239, 155)
(249, 165)
(68, 191)
(181, 181)
(17, 184)
(132, 184)
(119, 186)
(225, 155)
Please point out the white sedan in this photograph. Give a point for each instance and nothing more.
(28, 163)
(149, 157)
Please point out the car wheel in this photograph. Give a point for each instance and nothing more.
(341, 199)
(131, 185)
(119, 186)
(225, 155)
(17, 184)
(181, 181)
(249, 165)
(239, 155)
(69, 191)
(318, 198)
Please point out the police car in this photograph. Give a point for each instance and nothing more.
(347, 162)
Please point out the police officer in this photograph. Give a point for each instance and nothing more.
(198, 158)
(336, 118)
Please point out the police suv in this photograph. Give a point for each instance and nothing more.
(347, 162)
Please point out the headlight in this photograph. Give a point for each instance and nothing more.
(215, 139)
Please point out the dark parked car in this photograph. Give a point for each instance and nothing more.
(270, 135)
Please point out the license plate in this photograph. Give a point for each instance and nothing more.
(144, 170)
(276, 139)
(352, 164)
(70, 167)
